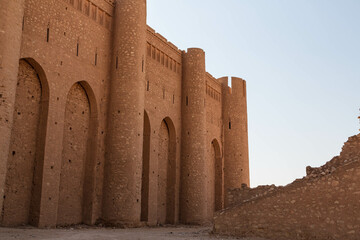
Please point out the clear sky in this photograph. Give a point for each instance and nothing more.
(301, 60)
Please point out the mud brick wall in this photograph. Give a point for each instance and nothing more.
(103, 119)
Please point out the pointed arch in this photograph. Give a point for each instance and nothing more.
(90, 161)
(167, 172)
(218, 178)
(146, 169)
(27, 144)
(78, 156)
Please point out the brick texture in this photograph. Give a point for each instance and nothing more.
(322, 205)
(109, 121)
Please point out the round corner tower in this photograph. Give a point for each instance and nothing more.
(123, 164)
(236, 151)
(11, 19)
(193, 208)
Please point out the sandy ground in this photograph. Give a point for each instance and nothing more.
(85, 233)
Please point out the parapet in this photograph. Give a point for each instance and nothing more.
(163, 39)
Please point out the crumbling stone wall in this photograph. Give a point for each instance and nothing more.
(245, 194)
(323, 205)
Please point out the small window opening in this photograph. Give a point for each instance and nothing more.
(142, 64)
(173, 98)
(187, 100)
(147, 85)
(117, 62)
(164, 93)
(229, 125)
(48, 34)
(23, 23)
(96, 55)
(77, 49)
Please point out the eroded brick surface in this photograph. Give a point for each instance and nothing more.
(322, 205)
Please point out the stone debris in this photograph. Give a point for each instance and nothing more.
(324, 205)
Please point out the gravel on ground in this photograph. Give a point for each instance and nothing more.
(93, 233)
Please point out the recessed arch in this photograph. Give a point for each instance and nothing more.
(78, 157)
(145, 169)
(166, 209)
(218, 178)
(27, 144)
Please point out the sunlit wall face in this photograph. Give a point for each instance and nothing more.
(300, 60)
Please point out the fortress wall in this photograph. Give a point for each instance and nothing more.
(67, 42)
(214, 155)
(322, 205)
(51, 33)
(162, 100)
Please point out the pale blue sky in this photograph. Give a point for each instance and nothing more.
(301, 60)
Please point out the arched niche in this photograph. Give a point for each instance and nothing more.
(145, 169)
(166, 210)
(77, 181)
(218, 175)
(26, 157)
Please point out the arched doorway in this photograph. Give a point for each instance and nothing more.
(78, 127)
(145, 170)
(24, 171)
(218, 180)
(166, 173)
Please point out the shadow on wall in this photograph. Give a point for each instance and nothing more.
(22, 198)
(166, 178)
(26, 157)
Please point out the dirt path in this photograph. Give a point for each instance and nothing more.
(165, 233)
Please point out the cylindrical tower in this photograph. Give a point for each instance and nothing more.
(11, 19)
(236, 152)
(193, 180)
(123, 167)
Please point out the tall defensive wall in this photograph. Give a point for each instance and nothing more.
(103, 119)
